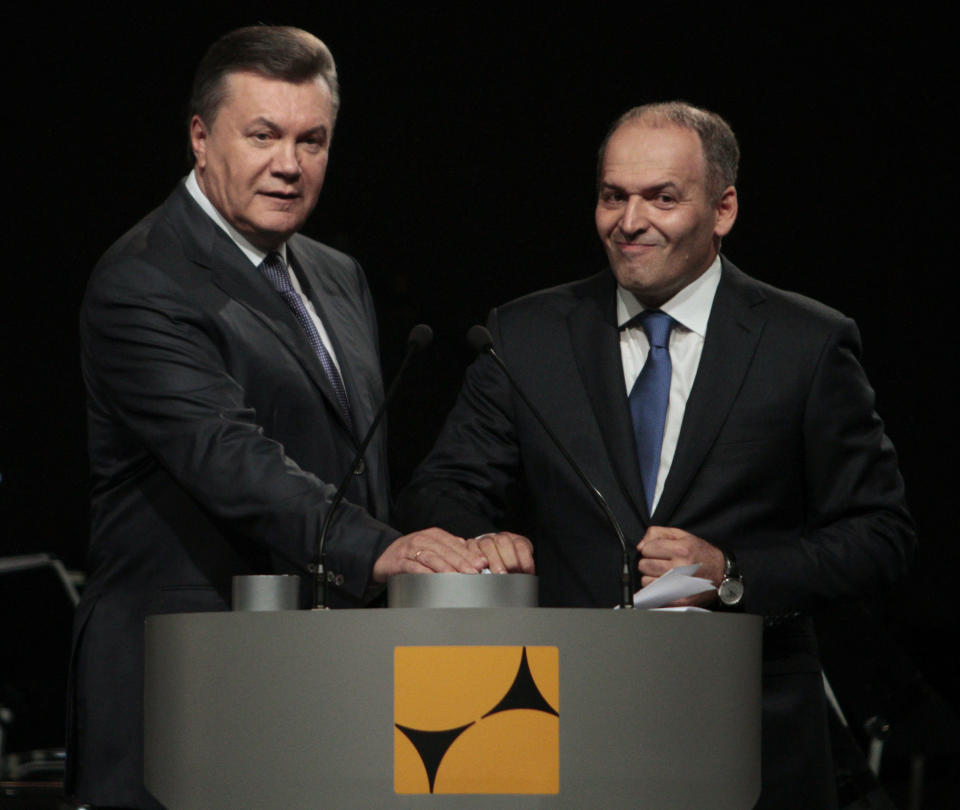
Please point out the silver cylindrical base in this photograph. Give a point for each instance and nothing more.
(462, 590)
(266, 592)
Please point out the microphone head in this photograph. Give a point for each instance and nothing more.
(479, 338)
(420, 336)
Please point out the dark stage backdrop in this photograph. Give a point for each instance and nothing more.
(461, 176)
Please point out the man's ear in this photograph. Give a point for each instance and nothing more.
(198, 141)
(726, 209)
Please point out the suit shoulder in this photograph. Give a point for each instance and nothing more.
(559, 300)
(790, 308)
(157, 243)
(162, 265)
(165, 234)
(141, 243)
(140, 260)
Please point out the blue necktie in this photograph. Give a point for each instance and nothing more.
(275, 270)
(649, 397)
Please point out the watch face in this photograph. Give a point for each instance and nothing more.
(730, 591)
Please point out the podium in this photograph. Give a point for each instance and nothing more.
(300, 709)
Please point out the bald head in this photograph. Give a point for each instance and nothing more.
(719, 144)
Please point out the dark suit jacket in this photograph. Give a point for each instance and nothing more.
(781, 458)
(215, 446)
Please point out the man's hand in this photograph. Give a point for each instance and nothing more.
(663, 548)
(426, 552)
(506, 552)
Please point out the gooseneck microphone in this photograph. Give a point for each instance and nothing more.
(480, 340)
(419, 338)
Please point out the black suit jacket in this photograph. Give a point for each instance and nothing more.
(781, 458)
(216, 444)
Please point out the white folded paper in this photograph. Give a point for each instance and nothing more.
(677, 583)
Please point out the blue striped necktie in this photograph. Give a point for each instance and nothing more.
(274, 268)
(649, 397)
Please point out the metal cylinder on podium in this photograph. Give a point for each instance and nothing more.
(462, 590)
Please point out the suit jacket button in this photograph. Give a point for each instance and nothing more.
(360, 469)
(339, 580)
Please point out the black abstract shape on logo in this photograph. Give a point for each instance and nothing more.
(432, 746)
(523, 693)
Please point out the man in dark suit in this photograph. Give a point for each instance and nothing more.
(231, 368)
(727, 423)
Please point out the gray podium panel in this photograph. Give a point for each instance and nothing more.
(296, 709)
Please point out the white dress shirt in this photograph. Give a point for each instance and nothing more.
(256, 256)
(690, 308)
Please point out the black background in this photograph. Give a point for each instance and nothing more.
(461, 176)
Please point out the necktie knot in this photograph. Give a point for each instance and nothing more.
(657, 326)
(275, 269)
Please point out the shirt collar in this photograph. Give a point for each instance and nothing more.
(690, 307)
(254, 254)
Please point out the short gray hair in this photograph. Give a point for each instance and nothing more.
(720, 149)
(275, 51)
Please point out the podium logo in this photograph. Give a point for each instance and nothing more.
(476, 720)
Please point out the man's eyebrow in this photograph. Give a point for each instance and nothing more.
(656, 188)
(261, 121)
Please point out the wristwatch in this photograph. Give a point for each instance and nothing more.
(730, 591)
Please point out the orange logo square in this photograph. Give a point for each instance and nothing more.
(476, 720)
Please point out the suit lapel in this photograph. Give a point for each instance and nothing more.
(733, 332)
(596, 347)
(356, 352)
(340, 323)
(233, 272)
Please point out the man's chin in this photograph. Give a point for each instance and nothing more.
(649, 289)
(633, 276)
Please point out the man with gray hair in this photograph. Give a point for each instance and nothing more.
(728, 424)
(231, 368)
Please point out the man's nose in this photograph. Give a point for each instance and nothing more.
(285, 161)
(634, 219)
